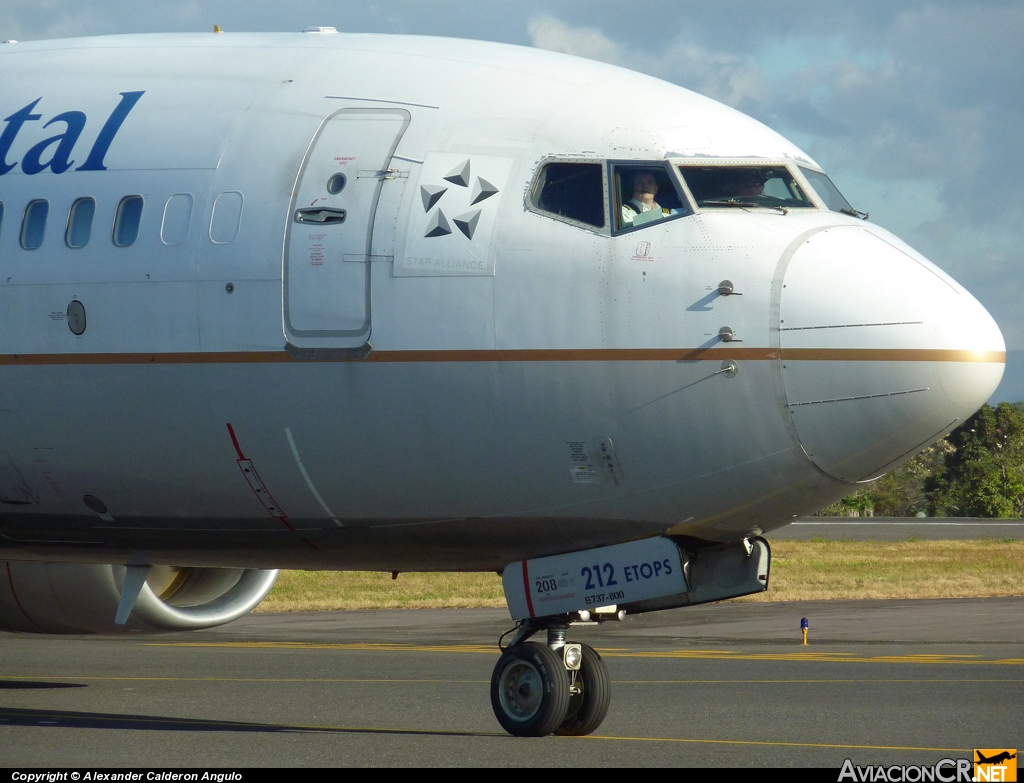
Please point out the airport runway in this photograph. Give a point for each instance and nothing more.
(882, 682)
(898, 529)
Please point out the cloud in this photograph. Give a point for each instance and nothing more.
(734, 79)
(726, 77)
(548, 32)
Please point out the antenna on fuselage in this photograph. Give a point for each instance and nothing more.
(216, 29)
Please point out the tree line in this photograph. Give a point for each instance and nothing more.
(975, 471)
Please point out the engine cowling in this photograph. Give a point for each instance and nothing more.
(83, 598)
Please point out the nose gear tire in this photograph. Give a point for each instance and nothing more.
(530, 690)
(587, 709)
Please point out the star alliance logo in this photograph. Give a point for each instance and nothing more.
(461, 197)
(438, 224)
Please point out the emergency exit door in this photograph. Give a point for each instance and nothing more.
(327, 246)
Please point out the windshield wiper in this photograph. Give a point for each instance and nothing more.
(856, 213)
(735, 202)
(728, 202)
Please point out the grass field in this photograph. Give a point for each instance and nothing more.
(801, 570)
(821, 570)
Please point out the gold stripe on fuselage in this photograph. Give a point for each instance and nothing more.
(527, 355)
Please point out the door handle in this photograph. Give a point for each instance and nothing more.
(320, 215)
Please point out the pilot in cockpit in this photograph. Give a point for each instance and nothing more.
(748, 184)
(642, 207)
(733, 186)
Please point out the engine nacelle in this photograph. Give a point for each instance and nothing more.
(83, 598)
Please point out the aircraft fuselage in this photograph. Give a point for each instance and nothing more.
(334, 312)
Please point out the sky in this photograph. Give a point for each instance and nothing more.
(915, 109)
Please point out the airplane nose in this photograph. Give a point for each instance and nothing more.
(881, 352)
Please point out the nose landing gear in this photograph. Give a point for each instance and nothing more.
(557, 688)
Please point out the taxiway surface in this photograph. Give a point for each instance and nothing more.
(882, 682)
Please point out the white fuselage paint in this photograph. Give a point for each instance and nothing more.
(533, 387)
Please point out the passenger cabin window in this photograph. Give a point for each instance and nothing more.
(127, 220)
(226, 218)
(744, 186)
(643, 194)
(572, 190)
(177, 217)
(80, 217)
(829, 193)
(33, 227)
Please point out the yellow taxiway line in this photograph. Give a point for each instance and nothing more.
(729, 655)
(450, 681)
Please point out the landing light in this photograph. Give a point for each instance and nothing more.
(573, 655)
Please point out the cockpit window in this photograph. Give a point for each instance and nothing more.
(829, 193)
(571, 190)
(644, 193)
(744, 186)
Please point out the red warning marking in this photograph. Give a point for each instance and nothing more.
(526, 586)
(231, 432)
(260, 489)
